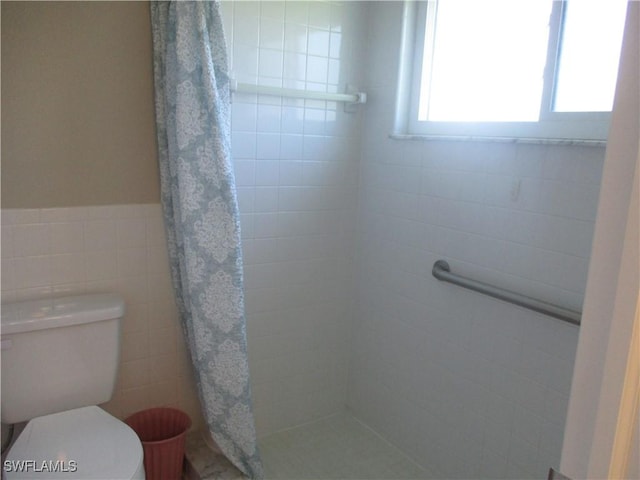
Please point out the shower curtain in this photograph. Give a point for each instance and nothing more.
(201, 216)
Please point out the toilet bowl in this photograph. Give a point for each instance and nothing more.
(84, 443)
(59, 361)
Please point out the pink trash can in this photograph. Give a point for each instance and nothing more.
(162, 432)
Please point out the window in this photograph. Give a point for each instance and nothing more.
(525, 68)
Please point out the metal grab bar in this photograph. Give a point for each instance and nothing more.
(442, 272)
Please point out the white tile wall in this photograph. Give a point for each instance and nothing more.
(121, 248)
(296, 168)
(469, 386)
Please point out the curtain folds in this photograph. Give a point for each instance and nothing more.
(192, 100)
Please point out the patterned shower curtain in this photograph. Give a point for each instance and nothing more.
(201, 216)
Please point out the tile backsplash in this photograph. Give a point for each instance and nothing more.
(122, 249)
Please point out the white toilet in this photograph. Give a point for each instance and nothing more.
(59, 360)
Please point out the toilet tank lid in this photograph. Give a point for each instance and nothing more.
(40, 314)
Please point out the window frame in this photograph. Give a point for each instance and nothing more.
(558, 126)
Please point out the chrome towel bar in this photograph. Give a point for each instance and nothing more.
(442, 272)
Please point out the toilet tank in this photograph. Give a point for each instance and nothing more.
(58, 354)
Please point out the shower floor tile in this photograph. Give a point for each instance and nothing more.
(337, 447)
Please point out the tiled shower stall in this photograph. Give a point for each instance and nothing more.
(341, 225)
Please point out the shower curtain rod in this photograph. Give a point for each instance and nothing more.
(442, 271)
(352, 98)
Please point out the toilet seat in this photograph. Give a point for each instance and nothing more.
(83, 443)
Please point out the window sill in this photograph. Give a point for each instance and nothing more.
(523, 140)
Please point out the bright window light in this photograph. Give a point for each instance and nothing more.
(484, 61)
(589, 55)
(544, 69)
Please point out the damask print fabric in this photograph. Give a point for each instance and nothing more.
(201, 216)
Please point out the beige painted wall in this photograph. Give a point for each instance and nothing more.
(77, 104)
